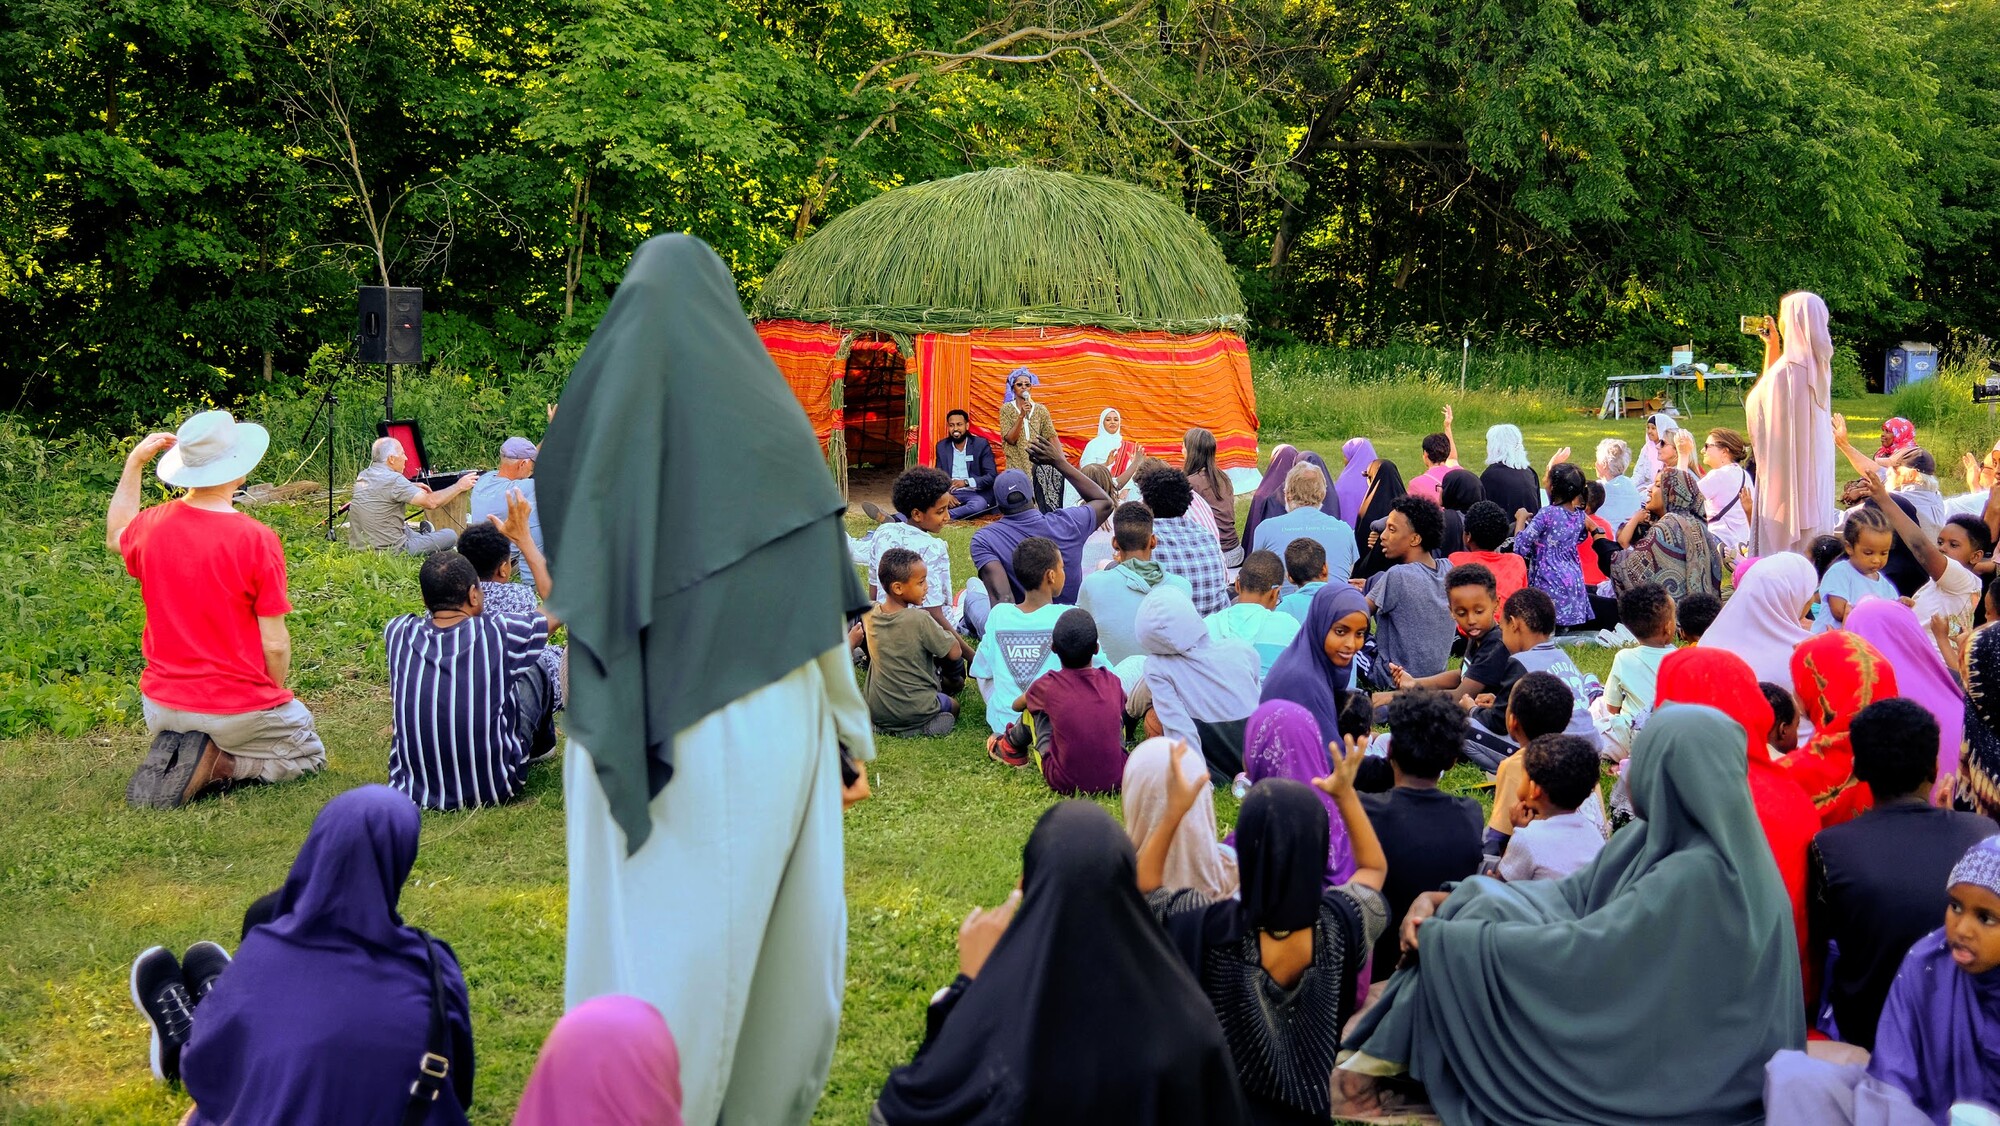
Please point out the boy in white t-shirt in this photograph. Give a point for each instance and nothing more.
(1951, 561)
(1018, 643)
(1552, 839)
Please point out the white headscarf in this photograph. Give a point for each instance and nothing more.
(1808, 342)
(1100, 448)
(1760, 622)
(1195, 859)
(1504, 446)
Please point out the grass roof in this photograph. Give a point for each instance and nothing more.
(1007, 248)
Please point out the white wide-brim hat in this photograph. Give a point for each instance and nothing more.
(212, 448)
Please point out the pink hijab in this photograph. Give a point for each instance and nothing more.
(1760, 622)
(609, 1061)
(1808, 344)
(1921, 675)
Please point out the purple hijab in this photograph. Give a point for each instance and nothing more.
(1939, 1040)
(1269, 499)
(1303, 673)
(610, 1061)
(1282, 741)
(1921, 675)
(1352, 487)
(323, 1015)
(1331, 505)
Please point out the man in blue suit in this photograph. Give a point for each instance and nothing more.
(969, 460)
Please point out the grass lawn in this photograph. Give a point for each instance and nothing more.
(85, 883)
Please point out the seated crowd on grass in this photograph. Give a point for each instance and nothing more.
(1789, 907)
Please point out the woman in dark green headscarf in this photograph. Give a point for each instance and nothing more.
(1650, 986)
(699, 562)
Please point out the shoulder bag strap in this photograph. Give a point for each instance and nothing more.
(434, 1069)
(1733, 501)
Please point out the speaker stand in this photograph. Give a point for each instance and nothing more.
(388, 391)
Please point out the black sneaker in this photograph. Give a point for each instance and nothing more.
(158, 993)
(874, 512)
(200, 966)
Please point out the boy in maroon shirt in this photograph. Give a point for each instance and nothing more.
(1075, 716)
(216, 648)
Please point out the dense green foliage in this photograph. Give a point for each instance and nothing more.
(190, 191)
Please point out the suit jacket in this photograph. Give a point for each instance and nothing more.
(979, 456)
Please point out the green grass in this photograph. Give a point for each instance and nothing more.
(85, 883)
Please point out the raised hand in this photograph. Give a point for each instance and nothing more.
(981, 932)
(1840, 430)
(515, 526)
(1044, 452)
(150, 447)
(1182, 791)
(1346, 764)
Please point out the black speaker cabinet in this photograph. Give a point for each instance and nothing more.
(390, 328)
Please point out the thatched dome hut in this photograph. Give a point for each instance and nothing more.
(923, 299)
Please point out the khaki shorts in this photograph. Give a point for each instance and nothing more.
(274, 745)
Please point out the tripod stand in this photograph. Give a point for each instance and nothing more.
(328, 404)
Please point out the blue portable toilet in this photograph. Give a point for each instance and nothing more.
(1908, 362)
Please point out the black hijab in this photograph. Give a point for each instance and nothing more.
(1083, 1013)
(1459, 491)
(666, 592)
(1280, 825)
(1383, 492)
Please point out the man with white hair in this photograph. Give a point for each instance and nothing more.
(515, 475)
(1621, 495)
(382, 495)
(216, 648)
(1305, 489)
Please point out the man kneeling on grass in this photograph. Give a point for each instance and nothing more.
(216, 647)
(470, 697)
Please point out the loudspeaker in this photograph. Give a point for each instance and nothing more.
(390, 327)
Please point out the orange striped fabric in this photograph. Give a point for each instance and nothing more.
(1161, 383)
(808, 355)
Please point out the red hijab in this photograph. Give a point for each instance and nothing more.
(1835, 675)
(1725, 681)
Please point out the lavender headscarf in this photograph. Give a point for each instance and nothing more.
(1282, 741)
(1352, 487)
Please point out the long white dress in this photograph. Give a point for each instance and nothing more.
(732, 918)
(1791, 433)
(1723, 489)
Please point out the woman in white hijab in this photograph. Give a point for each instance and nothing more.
(1660, 433)
(1195, 859)
(1762, 621)
(1110, 449)
(1791, 428)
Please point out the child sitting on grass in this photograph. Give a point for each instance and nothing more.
(1487, 526)
(1539, 705)
(1784, 719)
(1253, 618)
(1648, 611)
(1430, 838)
(1527, 622)
(923, 501)
(1019, 636)
(1694, 614)
(1867, 540)
(1072, 718)
(915, 666)
(1552, 839)
(1472, 591)
(1413, 626)
(1305, 566)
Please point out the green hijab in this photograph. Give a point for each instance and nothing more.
(693, 532)
(1650, 986)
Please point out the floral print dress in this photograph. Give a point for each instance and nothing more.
(1549, 545)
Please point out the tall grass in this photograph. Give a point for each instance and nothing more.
(1306, 392)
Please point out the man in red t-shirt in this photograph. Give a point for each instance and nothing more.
(216, 648)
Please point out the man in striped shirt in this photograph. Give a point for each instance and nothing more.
(470, 698)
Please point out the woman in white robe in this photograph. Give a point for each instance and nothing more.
(1790, 413)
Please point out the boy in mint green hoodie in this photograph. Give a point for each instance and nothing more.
(1113, 595)
(1253, 618)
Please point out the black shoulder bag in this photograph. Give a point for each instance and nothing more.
(435, 1067)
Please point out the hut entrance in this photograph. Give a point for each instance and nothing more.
(875, 416)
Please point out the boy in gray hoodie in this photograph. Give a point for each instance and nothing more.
(1113, 595)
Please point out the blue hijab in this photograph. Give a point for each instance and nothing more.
(1303, 673)
(324, 1014)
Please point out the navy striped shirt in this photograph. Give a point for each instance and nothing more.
(456, 742)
